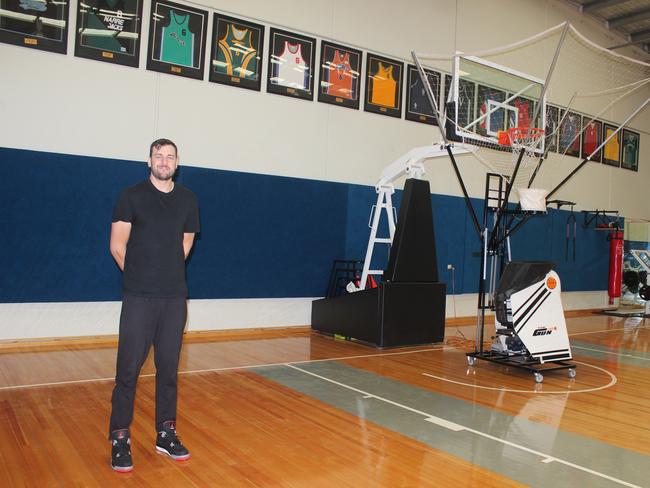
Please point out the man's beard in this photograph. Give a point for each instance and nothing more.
(164, 175)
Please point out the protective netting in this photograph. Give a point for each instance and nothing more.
(590, 93)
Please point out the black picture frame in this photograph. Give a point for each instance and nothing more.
(340, 75)
(290, 69)
(237, 52)
(592, 137)
(630, 146)
(569, 138)
(611, 150)
(109, 31)
(36, 25)
(418, 106)
(551, 128)
(384, 81)
(174, 30)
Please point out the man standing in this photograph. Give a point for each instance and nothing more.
(153, 229)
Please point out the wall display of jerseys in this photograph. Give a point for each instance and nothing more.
(340, 70)
(570, 135)
(612, 149)
(237, 50)
(418, 106)
(592, 133)
(492, 118)
(551, 129)
(630, 150)
(291, 64)
(177, 39)
(109, 30)
(39, 24)
(383, 86)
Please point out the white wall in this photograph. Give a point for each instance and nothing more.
(64, 104)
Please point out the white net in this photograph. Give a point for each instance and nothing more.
(590, 95)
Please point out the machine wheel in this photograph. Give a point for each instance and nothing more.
(572, 373)
(539, 377)
(471, 360)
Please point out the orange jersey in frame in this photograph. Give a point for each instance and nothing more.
(384, 86)
(340, 76)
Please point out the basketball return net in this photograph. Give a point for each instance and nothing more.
(518, 107)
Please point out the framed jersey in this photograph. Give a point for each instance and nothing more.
(109, 30)
(291, 64)
(237, 47)
(551, 129)
(177, 39)
(630, 150)
(384, 81)
(612, 149)
(39, 24)
(592, 137)
(466, 102)
(492, 117)
(570, 130)
(418, 106)
(340, 75)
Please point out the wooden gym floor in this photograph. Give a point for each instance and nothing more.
(306, 410)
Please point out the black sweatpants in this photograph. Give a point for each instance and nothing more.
(143, 322)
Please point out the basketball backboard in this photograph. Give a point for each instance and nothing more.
(484, 98)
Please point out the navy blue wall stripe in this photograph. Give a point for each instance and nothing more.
(262, 236)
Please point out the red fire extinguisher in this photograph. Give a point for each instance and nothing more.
(615, 264)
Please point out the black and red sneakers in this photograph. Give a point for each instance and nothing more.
(168, 442)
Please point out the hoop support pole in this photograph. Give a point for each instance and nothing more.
(468, 202)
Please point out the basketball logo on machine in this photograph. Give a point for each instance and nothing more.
(551, 283)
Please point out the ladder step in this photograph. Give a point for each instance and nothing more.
(384, 240)
(375, 272)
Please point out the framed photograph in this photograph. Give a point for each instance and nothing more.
(38, 24)
(418, 107)
(177, 39)
(630, 150)
(109, 30)
(291, 64)
(551, 129)
(592, 137)
(612, 150)
(569, 138)
(340, 75)
(492, 124)
(237, 47)
(383, 86)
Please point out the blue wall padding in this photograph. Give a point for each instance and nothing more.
(261, 236)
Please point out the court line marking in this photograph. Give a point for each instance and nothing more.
(211, 370)
(226, 368)
(546, 458)
(612, 382)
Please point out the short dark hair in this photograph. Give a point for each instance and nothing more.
(158, 143)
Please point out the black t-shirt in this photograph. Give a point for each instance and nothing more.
(155, 262)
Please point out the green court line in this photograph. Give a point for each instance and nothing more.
(531, 453)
